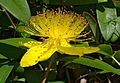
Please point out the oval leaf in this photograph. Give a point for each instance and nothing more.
(106, 22)
(18, 8)
(105, 50)
(97, 64)
(93, 25)
(11, 48)
(4, 72)
(17, 42)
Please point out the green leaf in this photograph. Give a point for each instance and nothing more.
(21, 29)
(106, 21)
(4, 72)
(93, 25)
(68, 59)
(105, 50)
(116, 33)
(97, 64)
(12, 48)
(17, 42)
(18, 8)
(73, 2)
(3, 62)
(19, 69)
(2, 57)
(11, 52)
(18, 80)
(67, 62)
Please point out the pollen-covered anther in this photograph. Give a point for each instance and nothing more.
(38, 13)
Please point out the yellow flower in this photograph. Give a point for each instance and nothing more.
(59, 28)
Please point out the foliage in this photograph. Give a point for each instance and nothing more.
(103, 17)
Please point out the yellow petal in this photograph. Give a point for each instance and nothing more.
(36, 54)
(32, 44)
(64, 43)
(78, 50)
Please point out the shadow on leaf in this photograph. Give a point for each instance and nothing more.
(11, 52)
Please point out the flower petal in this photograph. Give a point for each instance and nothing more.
(64, 43)
(36, 54)
(78, 50)
(32, 44)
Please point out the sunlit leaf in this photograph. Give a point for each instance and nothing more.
(2, 57)
(106, 21)
(17, 42)
(116, 33)
(18, 8)
(21, 29)
(105, 50)
(4, 72)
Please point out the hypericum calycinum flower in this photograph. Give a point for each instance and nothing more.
(59, 28)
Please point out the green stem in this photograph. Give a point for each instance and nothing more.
(68, 76)
(115, 60)
(41, 67)
(48, 69)
(10, 20)
(76, 81)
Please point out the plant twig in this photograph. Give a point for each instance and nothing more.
(46, 73)
(48, 69)
(10, 20)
